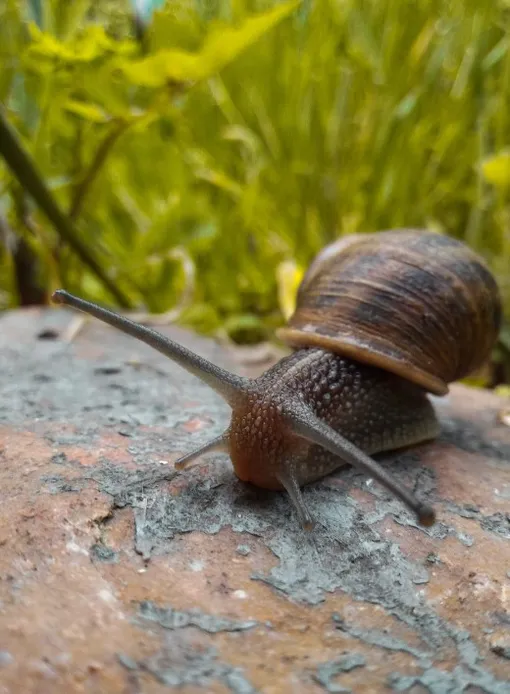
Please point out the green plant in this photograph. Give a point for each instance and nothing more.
(80, 92)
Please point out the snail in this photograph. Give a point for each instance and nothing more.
(381, 320)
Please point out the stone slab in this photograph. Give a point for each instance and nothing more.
(119, 576)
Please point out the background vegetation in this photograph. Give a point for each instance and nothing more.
(204, 158)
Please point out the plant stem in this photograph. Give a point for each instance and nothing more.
(80, 192)
(24, 169)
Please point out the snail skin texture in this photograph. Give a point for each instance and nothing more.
(381, 320)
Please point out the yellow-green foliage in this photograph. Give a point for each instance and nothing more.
(207, 170)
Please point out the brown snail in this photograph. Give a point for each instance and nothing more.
(381, 319)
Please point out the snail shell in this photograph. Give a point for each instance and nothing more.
(415, 303)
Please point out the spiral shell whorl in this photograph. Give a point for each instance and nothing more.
(415, 303)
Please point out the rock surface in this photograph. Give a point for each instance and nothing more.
(119, 576)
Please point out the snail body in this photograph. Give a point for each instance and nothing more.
(375, 410)
(381, 320)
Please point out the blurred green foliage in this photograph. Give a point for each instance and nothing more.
(207, 164)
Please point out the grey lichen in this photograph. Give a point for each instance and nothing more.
(170, 618)
(180, 665)
(328, 672)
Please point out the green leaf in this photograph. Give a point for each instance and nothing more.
(245, 328)
(496, 170)
(221, 47)
(202, 317)
(89, 112)
(92, 44)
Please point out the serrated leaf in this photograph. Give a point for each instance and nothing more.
(496, 170)
(92, 44)
(156, 70)
(221, 47)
